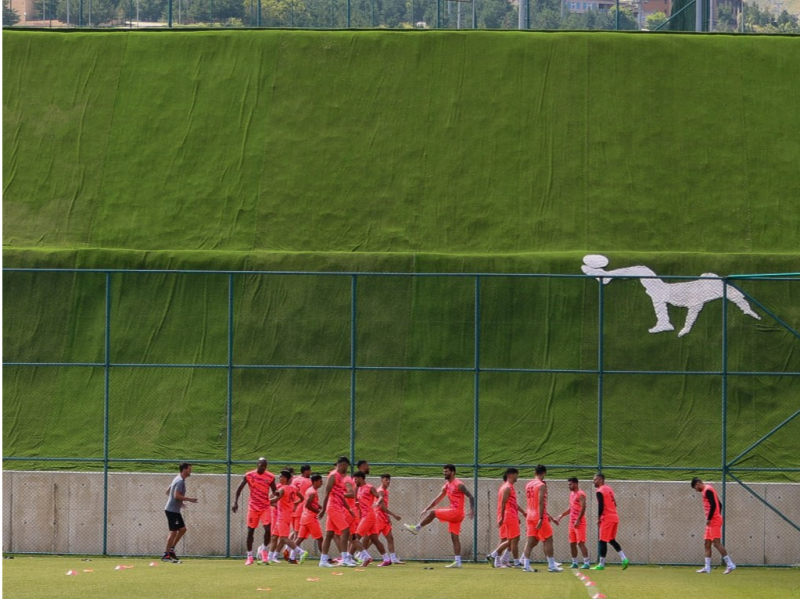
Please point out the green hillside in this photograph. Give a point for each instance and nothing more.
(414, 151)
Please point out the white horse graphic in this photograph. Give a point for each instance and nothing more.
(692, 295)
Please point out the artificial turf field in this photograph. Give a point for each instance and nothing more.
(219, 578)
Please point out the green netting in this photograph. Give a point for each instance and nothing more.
(451, 142)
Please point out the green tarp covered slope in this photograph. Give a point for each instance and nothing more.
(404, 152)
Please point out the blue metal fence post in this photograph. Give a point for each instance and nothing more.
(600, 366)
(348, 14)
(724, 400)
(600, 371)
(353, 282)
(169, 13)
(106, 377)
(229, 447)
(476, 410)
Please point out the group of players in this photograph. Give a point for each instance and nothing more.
(358, 515)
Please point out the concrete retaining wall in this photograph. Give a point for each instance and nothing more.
(661, 522)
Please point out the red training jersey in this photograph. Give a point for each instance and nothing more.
(286, 502)
(336, 499)
(383, 516)
(260, 488)
(366, 499)
(717, 517)
(308, 515)
(609, 504)
(351, 501)
(302, 484)
(511, 504)
(533, 491)
(575, 507)
(454, 495)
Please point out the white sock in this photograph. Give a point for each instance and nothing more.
(505, 557)
(526, 563)
(417, 526)
(249, 554)
(622, 555)
(323, 559)
(551, 562)
(575, 561)
(493, 554)
(708, 563)
(386, 557)
(586, 561)
(497, 561)
(602, 561)
(393, 556)
(458, 559)
(728, 560)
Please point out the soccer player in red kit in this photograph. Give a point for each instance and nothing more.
(302, 482)
(577, 523)
(508, 511)
(339, 514)
(455, 491)
(537, 521)
(608, 519)
(287, 498)
(368, 503)
(713, 535)
(309, 521)
(384, 520)
(259, 510)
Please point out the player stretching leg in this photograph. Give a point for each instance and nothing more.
(538, 522)
(384, 522)
(261, 482)
(577, 523)
(713, 534)
(608, 519)
(454, 515)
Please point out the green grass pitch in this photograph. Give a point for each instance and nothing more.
(34, 577)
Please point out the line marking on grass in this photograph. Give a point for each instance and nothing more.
(591, 586)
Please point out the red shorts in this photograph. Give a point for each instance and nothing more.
(352, 523)
(543, 533)
(310, 528)
(336, 521)
(454, 517)
(255, 517)
(577, 534)
(510, 529)
(295, 523)
(283, 527)
(608, 531)
(383, 527)
(714, 530)
(366, 526)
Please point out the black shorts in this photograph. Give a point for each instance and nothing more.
(175, 520)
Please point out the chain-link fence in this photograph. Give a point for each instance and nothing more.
(736, 16)
(113, 377)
